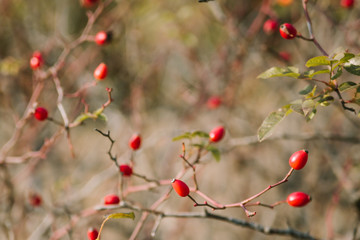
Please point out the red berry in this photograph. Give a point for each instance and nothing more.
(180, 187)
(100, 72)
(92, 234)
(126, 170)
(213, 102)
(135, 142)
(88, 3)
(41, 114)
(35, 200)
(36, 60)
(103, 37)
(288, 31)
(111, 199)
(347, 3)
(270, 26)
(298, 199)
(285, 56)
(217, 134)
(298, 159)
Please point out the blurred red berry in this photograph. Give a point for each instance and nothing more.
(111, 199)
(286, 56)
(89, 3)
(298, 199)
(100, 72)
(103, 37)
(35, 200)
(36, 60)
(298, 159)
(270, 26)
(41, 113)
(217, 134)
(213, 102)
(135, 142)
(126, 170)
(180, 187)
(92, 234)
(287, 31)
(347, 3)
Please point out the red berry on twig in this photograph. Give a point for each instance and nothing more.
(298, 159)
(288, 31)
(126, 170)
(298, 199)
(92, 234)
(135, 142)
(41, 114)
(217, 134)
(103, 37)
(180, 187)
(111, 199)
(36, 60)
(100, 72)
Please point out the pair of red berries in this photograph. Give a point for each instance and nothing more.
(36, 61)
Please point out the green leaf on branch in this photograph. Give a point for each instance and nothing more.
(280, 72)
(308, 106)
(347, 57)
(130, 215)
(326, 100)
(312, 73)
(310, 88)
(186, 135)
(214, 151)
(353, 66)
(338, 73)
(200, 134)
(296, 106)
(102, 117)
(311, 115)
(271, 121)
(190, 135)
(346, 86)
(318, 61)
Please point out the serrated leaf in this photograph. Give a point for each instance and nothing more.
(318, 61)
(353, 66)
(280, 72)
(214, 151)
(346, 86)
(200, 134)
(186, 135)
(307, 90)
(308, 105)
(271, 121)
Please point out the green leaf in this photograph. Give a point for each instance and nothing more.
(347, 57)
(280, 72)
(271, 121)
(353, 66)
(306, 90)
(200, 134)
(308, 105)
(338, 73)
(121, 215)
(214, 151)
(82, 117)
(326, 100)
(186, 135)
(346, 86)
(103, 117)
(311, 115)
(296, 106)
(312, 73)
(318, 61)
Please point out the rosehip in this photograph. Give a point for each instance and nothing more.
(347, 3)
(126, 170)
(217, 134)
(180, 187)
(92, 234)
(270, 26)
(287, 31)
(88, 3)
(135, 142)
(100, 72)
(41, 113)
(103, 37)
(36, 60)
(298, 159)
(285, 56)
(35, 200)
(213, 102)
(298, 199)
(111, 199)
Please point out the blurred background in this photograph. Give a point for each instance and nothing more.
(165, 61)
